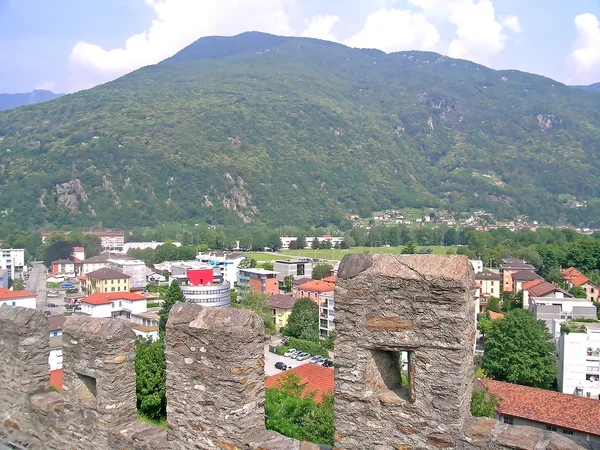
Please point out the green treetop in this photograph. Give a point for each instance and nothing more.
(172, 296)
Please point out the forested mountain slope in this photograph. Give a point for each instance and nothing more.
(299, 131)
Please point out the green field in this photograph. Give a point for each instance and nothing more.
(337, 255)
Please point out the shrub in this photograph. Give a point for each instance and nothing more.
(309, 347)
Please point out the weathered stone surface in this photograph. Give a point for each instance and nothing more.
(481, 429)
(519, 437)
(354, 264)
(380, 309)
(222, 387)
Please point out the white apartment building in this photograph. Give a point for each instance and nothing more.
(12, 259)
(326, 314)
(227, 263)
(477, 265)
(286, 240)
(17, 298)
(296, 269)
(135, 268)
(144, 245)
(55, 324)
(554, 311)
(579, 361)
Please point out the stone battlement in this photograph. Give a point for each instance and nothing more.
(417, 308)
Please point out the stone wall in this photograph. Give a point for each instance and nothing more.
(388, 307)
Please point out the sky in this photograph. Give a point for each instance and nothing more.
(70, 45)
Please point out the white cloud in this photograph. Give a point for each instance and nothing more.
(46, 86)
(478, 34)
(512, 23)
(393, 30)
(320, 26)
(585, 59)
(178, 23)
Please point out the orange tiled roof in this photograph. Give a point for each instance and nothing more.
(571, 271)
(316, 286)
(56, 379)
(549, 407)
(315, 378)
(6, 294)
(329, 279)
(494, 315)
(78, 249)
(531, 284)
(108, 298)
(541, 289)
(579, 281)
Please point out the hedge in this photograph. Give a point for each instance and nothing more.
(313, 348)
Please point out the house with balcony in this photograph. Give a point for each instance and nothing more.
(541, 288)
(510, 266)
(579, 359)
(281, 305)
(258, 281)
(326, 314)
(314, 290)
(575, 278)
(490, 283)
(295, 269)
(12, 259)
(55, 325)
(105, 281)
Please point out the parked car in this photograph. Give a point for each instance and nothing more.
(290, 352)
(52, 305)
(315, 359)
(47, 313)
(327, 363)
(67, 286)
(303, 356)
(281, 366)
(285, 340)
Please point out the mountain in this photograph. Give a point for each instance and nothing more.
(592, 87)
(258, 128)
(9, 101)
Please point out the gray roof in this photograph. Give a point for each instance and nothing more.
(56, 322)
(107, 274)
(281, 301)
(488, 276)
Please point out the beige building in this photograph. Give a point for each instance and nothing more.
(104, 281)
(490, 282)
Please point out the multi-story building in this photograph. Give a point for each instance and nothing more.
(326, 314)
(541, 288)
(314, 290)
(576, 418)
(110, 240)
(4, 278)
(579, 359)
(521, 277)
(145, 245)
(55, 325)
(287, 240)
(104, 281)
(227, 263)
(258, 281)
(295, 269)
(63, 268)
(281, 305)
(477, 265)
(101, 261)
(199, 285)
(78, 253)
(574, 278)
(554, 311)
(12, 259)
(135, 268)
(17, 298)
(510, 266)
(490, 283)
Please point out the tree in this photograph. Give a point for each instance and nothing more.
(321, 271)
(274, 242)
(246, 263)
(75, 238)
(287, 283)
(300, 241)
(150, 375)
(92, 245)
(55, 237)
(519, 349)
(165, 252)
(553, 275)
(493, 304)
(172, 296)
(293, 412)
(578, 292)
(409, 249)
(483, 403)
(484, 324)
(58, 250)
(258, 303)
(303, 322)
(450, 237)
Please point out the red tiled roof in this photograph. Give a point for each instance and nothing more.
(549, 407)
(314, 378)
(76, 260)
(330, 279)
(6, 294)
(579, 281)
(78, 249)
(541, 289)
(106, 299)
(316, 286)
(571, 271)
(494, 315)
(531, 284)
(83, 278)
(56, 379)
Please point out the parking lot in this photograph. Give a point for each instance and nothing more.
(272, 358)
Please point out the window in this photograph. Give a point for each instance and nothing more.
(508, 420)
(550, 428)
(569, 432)
(112, 289)
(120, 303)
(492, 283)
(14, 303)
(492, 291)
(393, 371)
(84, 390)
(112, 281)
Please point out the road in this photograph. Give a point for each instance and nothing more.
(37, 283)
(272, 358)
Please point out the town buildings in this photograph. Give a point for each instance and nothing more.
(55, 325)
(314, 290)
(281, 306)
(541, 288)
(101, 261)
(4, 278)
(145, 245)
(295, 269)
(521, 277)
(258, 281)
(12, 259)
(490, 283)
(78, 253)
(579, 360)
(286, 241)
(109, 240)
(315, 379)
(135, 268)
(554, 311)
(17, 298)
(200, 285)
(106, 280)
(510, 266)
(576, 418)
(574, 278)
(326, 314)
(227, 263)
(63, 268)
